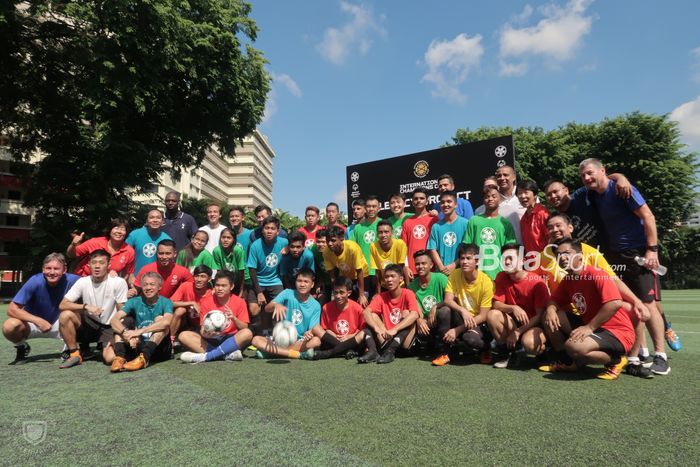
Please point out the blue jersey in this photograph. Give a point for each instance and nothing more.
(40, 299)
(304, 315)
(464, 209)
(145, 246)
(625, 231)
(290, 266)
(243, 239)
(445, 238)
(145, 314)
(588, 228)
(265, 259)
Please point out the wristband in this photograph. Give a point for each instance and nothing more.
(653, 248)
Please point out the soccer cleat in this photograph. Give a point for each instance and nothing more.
(640, 371)
(86, 352)
(117, 364)
(192, 357)
(261, 355)
(252, 348)
(235, 356)
(672, 338)
(660, 366)
(485, 357)
(441, 360)
(139, 363)
(387, 357)
(612, 370)
(322, 355)
(350, 354)
(368, 357)
(22, 355)
(307, 354)
(558, 367)
(74, 360)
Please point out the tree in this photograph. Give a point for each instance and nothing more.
(644, 147)
(112, 93)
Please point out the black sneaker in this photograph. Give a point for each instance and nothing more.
(368, 357)
(321, 355)
(639, 371)
(660, 366)
(646, 361)
(86, 352)
(387, 357)
(22, 354)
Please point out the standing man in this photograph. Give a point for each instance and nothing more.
(630, 227)
(33, 312)
(311, 216)
(509, 205)
(447, 234)
(416, 229)
(235, 217)
(345, 258)
(463, 208)
(101, 296)
(385, 251)
(333, 216)
(145, 239)
(179, 225)
(365, 234)
(398, 214)
(214, 227)
(262, 212)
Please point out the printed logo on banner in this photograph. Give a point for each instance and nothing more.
(501, 163)
(355, 186)
(501, 151)
(354, 176)
(421, 169)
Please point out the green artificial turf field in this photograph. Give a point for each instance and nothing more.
(337, 412)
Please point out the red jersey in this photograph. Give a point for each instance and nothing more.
(342, 322)
(588, 293)
(235, 304)
(336, 225)
(122, 261)
(173, 276)
(533, 228)
(390, 308)
(415, 234)
(530, 293)
(187, 293)
(310, 235)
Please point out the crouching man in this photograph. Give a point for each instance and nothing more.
(141, 328)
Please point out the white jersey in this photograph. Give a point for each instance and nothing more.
(106, 294)
(214, 235)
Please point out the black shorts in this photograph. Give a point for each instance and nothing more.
(270, 292)
(91, 330)
(643, 282)
(607, 342)
(160, 354)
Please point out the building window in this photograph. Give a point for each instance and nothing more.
(14, 194)
(11, 220)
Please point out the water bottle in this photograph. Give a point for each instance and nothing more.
(660, 270)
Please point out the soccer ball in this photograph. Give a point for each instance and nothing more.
(284, 334)
(215, 321)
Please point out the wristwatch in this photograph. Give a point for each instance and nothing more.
(654, 248)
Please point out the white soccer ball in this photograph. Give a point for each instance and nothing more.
(284, 334)
(215, 321)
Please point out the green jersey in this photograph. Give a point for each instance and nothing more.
(364, 234)
(322, 276)
(233, 261)
(204, 257)
(397, 224)
(432, 294)
(490, 234)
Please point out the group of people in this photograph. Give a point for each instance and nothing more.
(572, 286)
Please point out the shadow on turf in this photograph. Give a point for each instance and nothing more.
(582, 374)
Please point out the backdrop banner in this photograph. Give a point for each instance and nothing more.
(468, 164)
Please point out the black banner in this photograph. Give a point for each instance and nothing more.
(468, 164)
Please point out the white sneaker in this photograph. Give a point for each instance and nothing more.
(502, 363)
(235, 356)
(192, 357)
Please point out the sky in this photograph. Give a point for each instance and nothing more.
(356, 81)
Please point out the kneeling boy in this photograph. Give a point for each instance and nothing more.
(341, 325)
(391, 319)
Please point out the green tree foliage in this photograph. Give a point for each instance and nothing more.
(114, 93)
(643, 147)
